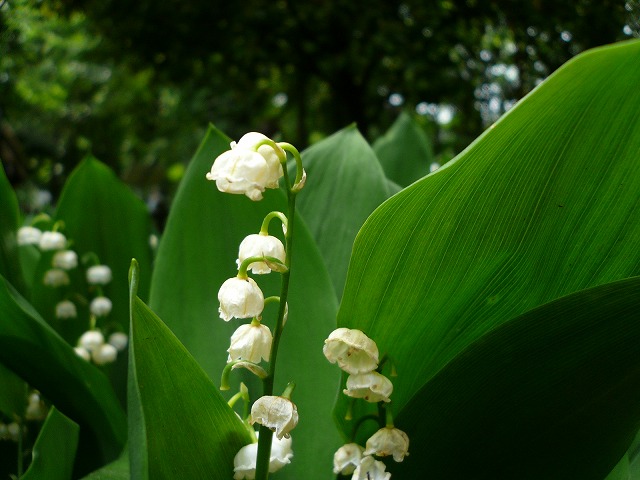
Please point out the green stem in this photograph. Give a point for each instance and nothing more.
(287, 147)
(266, 436)
(264, 229)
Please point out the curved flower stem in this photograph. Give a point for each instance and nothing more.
(264, 229)
(264, 442)
(287, 147)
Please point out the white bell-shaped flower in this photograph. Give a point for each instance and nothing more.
(371, 386)
(29, 236)
(276, 413)
(100, 306)
(98, 275)
(55, 277)
(388, 441)
(119, 340)
(240, 298)
(250, 342)
(36, 409)
(104, 354)
(260, 245)
(240, 171)
(65, 259)
(371, 469)
(249, 141)
(52, 241)
(352, 349)
(244, 463)
(83, 353)
(66, 309)
(91, 340)
(347, 458)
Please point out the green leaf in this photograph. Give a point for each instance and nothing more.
(199, 248)
(544, 204)
(187, 428)
(345, 183)
(31, 349)
(116, 470)
(404, 151)
(13, 393)
(55, 449)
(9, 223)
(553, 393)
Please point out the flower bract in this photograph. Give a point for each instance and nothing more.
(371, 469)
(388, 441)
(240, 298)
(244, 463)
(277, 413)
(352, 349)
(347, 458)
(250, 342)
(259, 245)
(372, 387)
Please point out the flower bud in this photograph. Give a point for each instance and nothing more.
(66, 309)
(105, 353)
(98, 275)
(119, 340)
(260, 245)
(65, 259)
(29, 236)
(91, 340)
(52, 241)
(100, 306)
(250, 342)
(55, 278)
(240, 298)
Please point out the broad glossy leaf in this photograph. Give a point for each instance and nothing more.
(545, 203)
(553, 393)
(13, 393)
(31, 349)
(404, 151)
(197, 254)
(116, 470)
(9, 222)
(55, 449)
(187, 428)
(345, 184)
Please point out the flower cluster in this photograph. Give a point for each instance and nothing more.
(91, 345)
(252, 165)
(36, 411)
(358, 355)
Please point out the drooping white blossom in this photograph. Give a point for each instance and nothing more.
(100, 306)
(352, 349)
(244, 463)
(104, 354)
(260, 245)
(371, 469)
(276, 413)
(29, 236)
(250, 342)
(66, 309)
(65, 259)
(36, 409)
(347, 458)
(119, 340)
(371, 386)
(55, 277)
(250, 140)
(52, 241)
(388, 441)
(91, 340)
(98, 275)
(240, 298)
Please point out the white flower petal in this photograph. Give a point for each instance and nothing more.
(98, 275)
(240, 298)
(29, 236)
(66, 309)
(65, 259)
(347, 458)
(388, 441)
(371, 469)
(250, 342)
(277, 413)
(371, 386)
(52, 241)
(352, 349)
(100, 306)
(259, 245)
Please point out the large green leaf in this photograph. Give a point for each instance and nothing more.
(116, 470)
(55, 449)
(13, 393)
(544, 204)
(404, 151)
(345, 184)
(9, 218)
(197, 254)
(187, 428)
(31, 349)
(553, 393)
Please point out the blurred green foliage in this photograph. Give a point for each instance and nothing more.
(136, 83)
